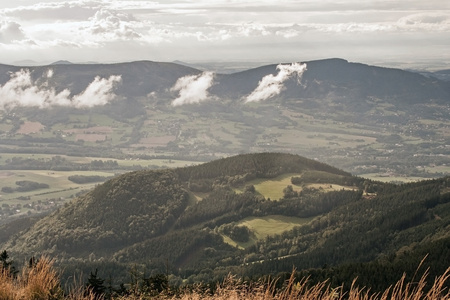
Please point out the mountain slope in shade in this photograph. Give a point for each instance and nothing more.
(323, 78)
(145, 204)
(205, 217)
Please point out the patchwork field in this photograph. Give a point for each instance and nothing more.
(57, 188)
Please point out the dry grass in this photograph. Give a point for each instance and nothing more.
(233, 289)
(42, 282)
(38, 282)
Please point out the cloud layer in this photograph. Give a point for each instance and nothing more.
(99, 30)
(21, 91)
(192, 88)
(271, 85)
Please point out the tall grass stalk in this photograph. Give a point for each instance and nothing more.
(7, 286)
(40, 281)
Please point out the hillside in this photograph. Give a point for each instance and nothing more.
(202, 222)
(363, 119)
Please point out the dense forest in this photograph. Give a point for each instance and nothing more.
(201, 223)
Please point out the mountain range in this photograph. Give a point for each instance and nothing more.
(361, 118)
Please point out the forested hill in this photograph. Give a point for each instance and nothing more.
(145, 204)
(251, 214)
(263, 165)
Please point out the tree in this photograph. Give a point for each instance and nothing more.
(95, 285)
(157, 283)
(250, 188)
(289, 192)
(6, 263)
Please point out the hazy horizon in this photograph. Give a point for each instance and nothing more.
(404, 33)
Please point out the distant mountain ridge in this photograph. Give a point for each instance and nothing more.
(322, 77)
(361, 118)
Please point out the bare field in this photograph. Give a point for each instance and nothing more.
(91, 137)
(155, 141)
(30, 127)
(91, 130)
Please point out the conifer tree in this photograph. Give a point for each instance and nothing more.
(95, 285)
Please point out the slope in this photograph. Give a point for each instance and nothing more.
(141, 205)
(152, 219)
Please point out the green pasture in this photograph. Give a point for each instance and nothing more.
(262, 227)
(327, 187)
(272, 225)
(438, 169)
(273, 188)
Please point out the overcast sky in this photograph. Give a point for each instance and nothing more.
(410, 31)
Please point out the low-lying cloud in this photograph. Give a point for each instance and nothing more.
(271, 85)
(21, 91)
(193, 88)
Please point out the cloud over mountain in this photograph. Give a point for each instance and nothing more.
(22, 91)
(193, 88)
(271, 85)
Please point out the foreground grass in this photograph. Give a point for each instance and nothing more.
(41, 281)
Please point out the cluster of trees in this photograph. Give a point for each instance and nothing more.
(237, 233)
(221, 204)
(57, 163)
(25, 186)
(82, 179)
(314, 176)
(249, 166)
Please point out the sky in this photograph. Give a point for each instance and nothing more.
(382, 32)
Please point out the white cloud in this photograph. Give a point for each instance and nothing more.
(193, 88)
(62, 10)
(112, 25)
(426, 21)
(21, 91)
(98, 92)
(10, 31)
(86, 30)
(271, 85)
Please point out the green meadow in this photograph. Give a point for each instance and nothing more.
(261, 227)
(273, 188)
